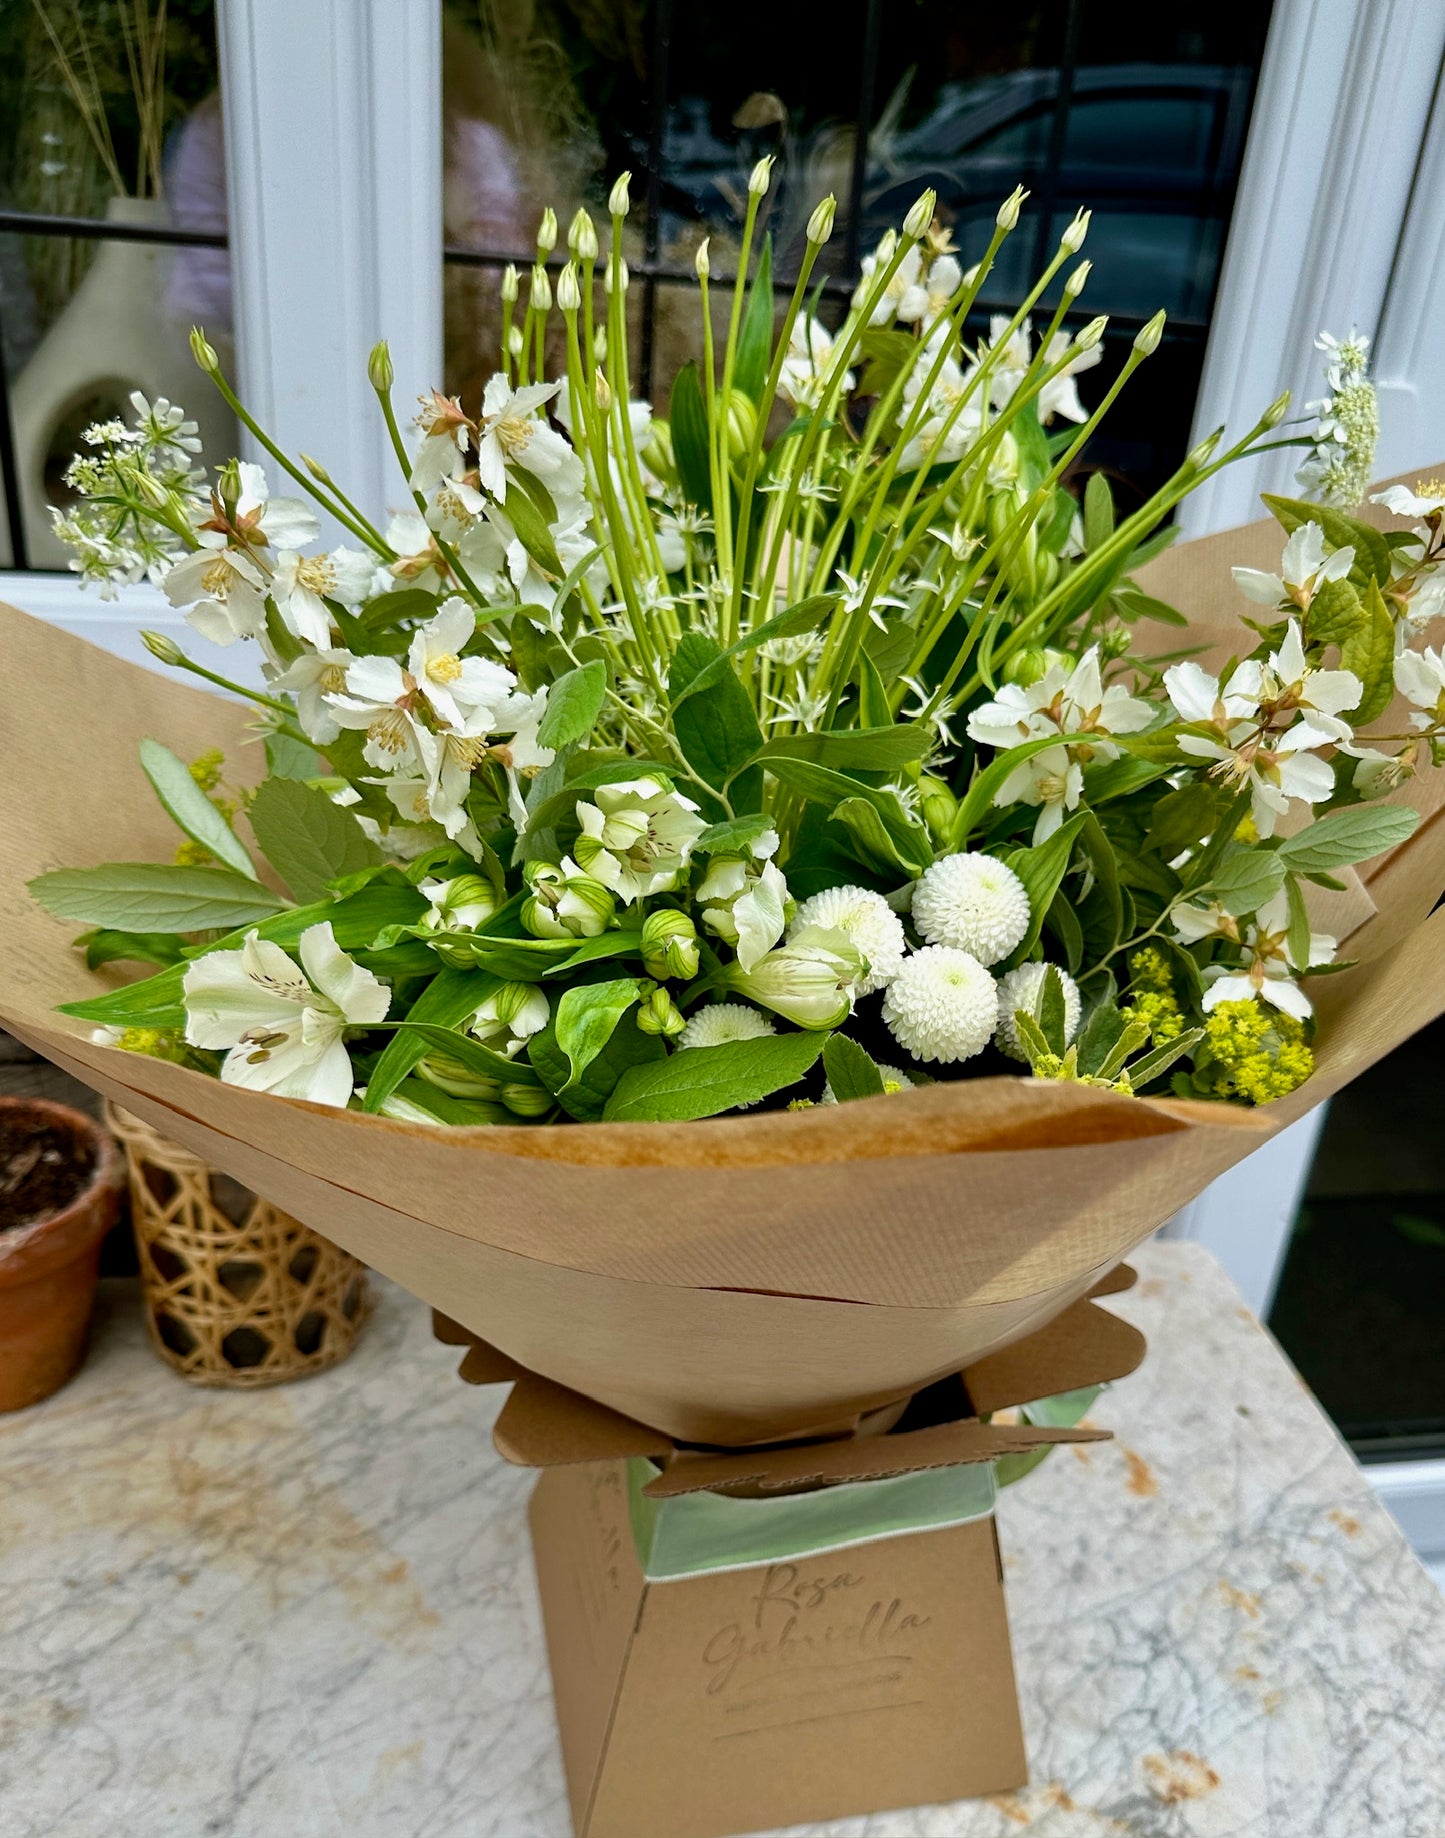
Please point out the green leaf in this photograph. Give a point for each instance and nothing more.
(851, 1072)
(188, 806)
(1107, 896)
(1247, 879)
(1063, 922)
(1032, 1038)
(393, 609)
(1098, 513)
(585, 1020)
(803, 616)
(882, 749)
(460, 1113)
(150, 897)
(1033, 446)
(1042, 869)
(755, 337)
(1344, 836)
(717, 729)
(289, 758)
(687, 415)
(452, 997)
(874, 840)
(628, 1046)
(733, 836)
(1053, 1019)
(703, 1081)
(1335, 614)
(873, 707)
(1372, 552)
(470, 1053)
(1132, 604)
(573, 704)
(1181, 819)
(111, 947)
(978, 799)
(1370, 652)
(309, 840)
(1298, 937)
(1098, 1037)
(533, 532)
(1153, 1064)
(908, 841)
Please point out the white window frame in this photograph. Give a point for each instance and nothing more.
(1336, 223)
(332, 112)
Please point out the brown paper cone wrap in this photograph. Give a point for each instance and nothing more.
(726, 1281)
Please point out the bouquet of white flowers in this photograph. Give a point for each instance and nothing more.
(640, 765)
(805, 746)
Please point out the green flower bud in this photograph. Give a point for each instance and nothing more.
(582, 237)
(379, 367)
(166, 649)
(527, 1100)
(541, 290)
(742, 422)
(701, 261)
(820, 224)
(939, 807)
(619, 202)
(511, 283)
(1008, 212)
(617, 277)
(1146, 339)
(1074, 286)
(1026, 667)
(512, 1002)
(1092, 333)
(659, 1014)
(451, 1076)
(204, 352)
(1072, 239)
(569, 293)
(547, 232)
(564, 903)
(761, 176)
(657, 452)
(920, 216)
(669, 944)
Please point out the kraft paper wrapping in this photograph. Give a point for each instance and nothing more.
(727, 1281)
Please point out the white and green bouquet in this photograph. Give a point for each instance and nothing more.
(637, 765)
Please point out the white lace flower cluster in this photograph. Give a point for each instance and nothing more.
(1341, 462)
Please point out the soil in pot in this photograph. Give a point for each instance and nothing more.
(42, 1170)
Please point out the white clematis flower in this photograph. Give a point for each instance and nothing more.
(1268, 970)
(637, 837)
(284, 1026)
(1303, 570)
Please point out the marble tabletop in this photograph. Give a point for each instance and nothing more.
(310, 1613)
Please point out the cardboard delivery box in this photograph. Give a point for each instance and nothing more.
(746, 1639)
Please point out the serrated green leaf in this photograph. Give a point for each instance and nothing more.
(574, 702)
(308, 839)
(1370, 652)
(1372, 552)
(150, 897)
(1353, 834)
(1098, 1038)
(289, 758)
(1335, 613)
(703, 1081)
(851, 1072)
(188, 806)
(734, 835)
(1246, 879)
(1298, 936)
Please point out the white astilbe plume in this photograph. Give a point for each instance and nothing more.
(975, 904)
(869, 924)
(942, 1005)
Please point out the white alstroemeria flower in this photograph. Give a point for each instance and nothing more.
(303, 583)
(510, 1016)
(897, 290)
(1420, 678)
(381, 698)
(760, 915)
(446, 432)
(928, 298)
(1426, 501)
(810, 981)
(1289, 684)
(514, 434)
(810, 354)
(637, 837)
(1268, 970)
(727, 879)
(1304, 569)
(461, 690)
(1060, 395)
(223, 589)
(313, 677)
(284, 1027)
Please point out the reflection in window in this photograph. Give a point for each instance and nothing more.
(1144, 123)
(111, 121)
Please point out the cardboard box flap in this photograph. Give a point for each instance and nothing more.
(450, 1333)
(1083, 1346)
(544, 1425)
(484, 1365)
(942, 1445)
(1120, 1278)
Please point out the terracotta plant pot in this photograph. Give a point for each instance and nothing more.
(48, 1262)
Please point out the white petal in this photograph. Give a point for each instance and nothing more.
(354, 990)
(1286, 994)
(1192, 691)
(1263, 589)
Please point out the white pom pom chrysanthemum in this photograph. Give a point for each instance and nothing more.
(869, 924)
(1020, 989)
(942, 1005)
(716, 1025)
(894, 1080)
(974, 904)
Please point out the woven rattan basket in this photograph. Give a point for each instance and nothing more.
(236, 1293)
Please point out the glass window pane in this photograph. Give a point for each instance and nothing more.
(111, 116)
